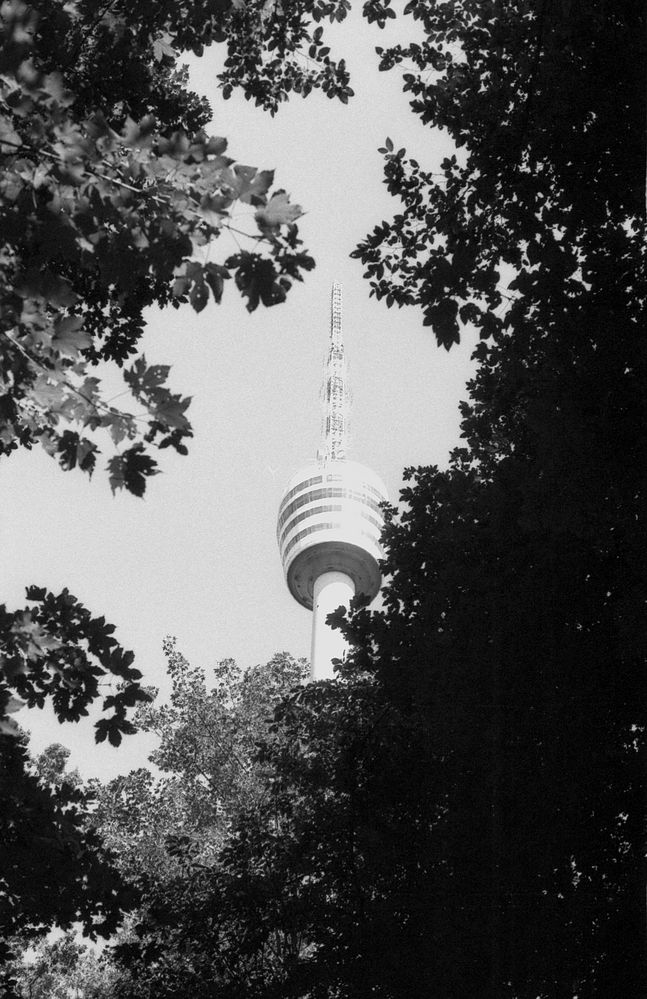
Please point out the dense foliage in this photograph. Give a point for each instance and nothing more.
(315, 892)
(62, 968)
(111, 191)
(205, 759)
(168, 831)
(54, 649)
(545, 104)
(55, 867)
(515, 610)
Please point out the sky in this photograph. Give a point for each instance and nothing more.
(197, 558)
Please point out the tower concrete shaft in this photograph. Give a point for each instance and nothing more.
(331, 590)
(330, 518)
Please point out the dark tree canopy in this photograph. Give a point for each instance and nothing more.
(515, 605)
(55, 869)
(545, 103)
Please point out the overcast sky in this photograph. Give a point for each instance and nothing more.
(197, 558)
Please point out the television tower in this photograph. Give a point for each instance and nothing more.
(330, 520)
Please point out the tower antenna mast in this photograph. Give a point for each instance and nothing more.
(335, 391)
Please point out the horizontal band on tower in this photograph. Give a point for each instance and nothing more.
(317, 512)
(329, 492)
(326, 527)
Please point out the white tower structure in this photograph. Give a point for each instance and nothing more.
(330, 520)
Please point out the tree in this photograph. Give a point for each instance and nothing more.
(501, 632)
(538, 98)
(326, 884)
(507, 656)
(55, 649)
(66, 845)
(51, 766)
(332, 882)
(63, 968)
(206, 758)
(463, 811)
(111, 190)
(56, 870)
(168, 832)
(111, 194)
(515, 605)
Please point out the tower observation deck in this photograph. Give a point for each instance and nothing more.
(330, 521)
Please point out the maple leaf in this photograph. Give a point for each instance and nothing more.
(45, 284)
(131, 469)
(171, 413)
(251, 185)
(32, 637)
(75, 450)
(214, 208)
(199, 296)
(277, 212)
(215, 276)
(256, 279)
(70, 338)
(162, 47)
(144, 379)
(120, 426)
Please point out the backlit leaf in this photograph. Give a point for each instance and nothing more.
(277, 212)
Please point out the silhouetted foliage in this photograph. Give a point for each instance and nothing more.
(55, 869)
(545, 105)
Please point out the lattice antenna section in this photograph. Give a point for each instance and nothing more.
(335, 392)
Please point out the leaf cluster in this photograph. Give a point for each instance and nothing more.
(111, 194)
(538, 99)
(54, 649)
(206, 764)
